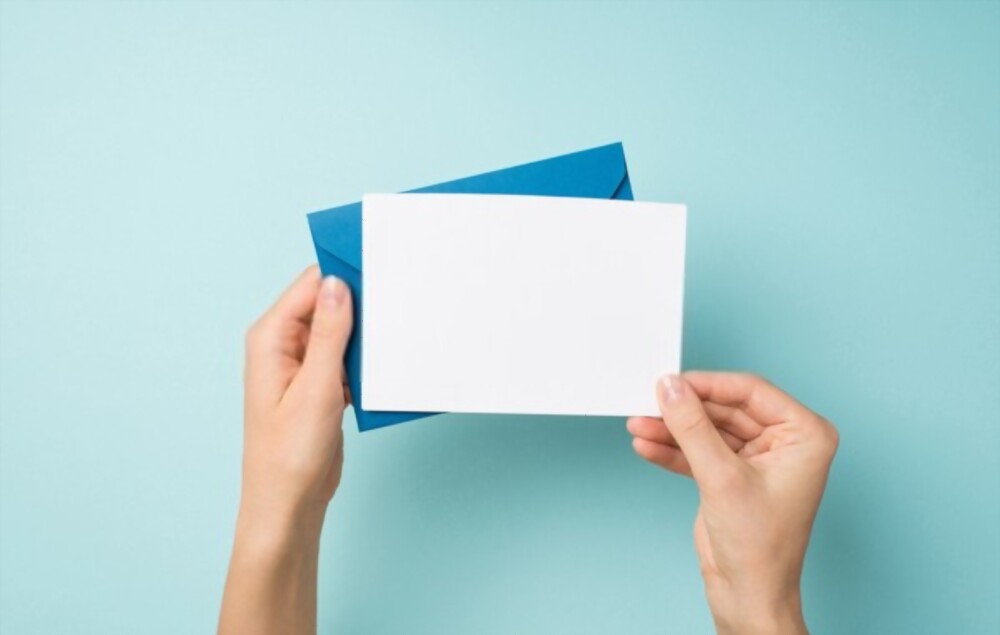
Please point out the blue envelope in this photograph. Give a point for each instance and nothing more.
(596, 173)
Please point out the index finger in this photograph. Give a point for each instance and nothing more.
(297, 301)
(276, 342)
(763, 401)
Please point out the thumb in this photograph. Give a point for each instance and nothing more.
(685, 417)
(322, 368)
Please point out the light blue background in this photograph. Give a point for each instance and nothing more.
(841, 165)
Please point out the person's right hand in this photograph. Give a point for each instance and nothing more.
(760, 460)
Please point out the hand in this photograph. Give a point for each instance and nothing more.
(294, 399)
(760, 460)
(295, 396)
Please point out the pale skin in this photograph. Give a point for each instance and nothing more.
(760, 460)
(758, 457)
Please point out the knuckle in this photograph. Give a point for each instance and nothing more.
(824, 438)
(708, 571)
(750, 378)
(754, 385)
(830, 434)
(254, 335)
(759, 381)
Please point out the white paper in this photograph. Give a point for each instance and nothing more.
(519, 304)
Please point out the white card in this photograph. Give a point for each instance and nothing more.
(519, 304)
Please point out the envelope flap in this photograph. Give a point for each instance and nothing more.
(595, 173)
(338, 231)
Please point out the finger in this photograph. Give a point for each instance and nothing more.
(274, 342)
(667, 457)
(656, 431)
(703, 446)
(733, 421)
(815, 434)
(297, 301)
(347, 387)
(760, 445)
(763, 401)
(322, 369)
(735, 444)
(650, 429)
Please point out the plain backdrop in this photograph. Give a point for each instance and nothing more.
(157, 159)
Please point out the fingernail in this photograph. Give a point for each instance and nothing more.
(671, 388)
(332, 292)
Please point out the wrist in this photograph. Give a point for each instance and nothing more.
(271, 586)
(265, 529)
(751, 614)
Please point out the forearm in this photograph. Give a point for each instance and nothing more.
(271, 586)
(744, 614)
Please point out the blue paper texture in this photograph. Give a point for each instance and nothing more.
(595, 173)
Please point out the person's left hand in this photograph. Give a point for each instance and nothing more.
(293, 454)
(295, 396)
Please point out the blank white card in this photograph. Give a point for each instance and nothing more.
(519, 304)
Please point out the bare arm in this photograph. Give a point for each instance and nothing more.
(292, 457)
(760, 460)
